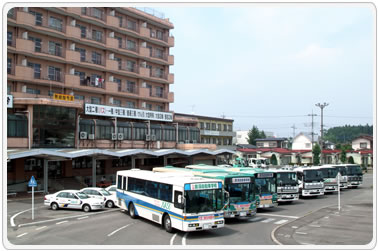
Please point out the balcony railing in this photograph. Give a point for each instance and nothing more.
(57, 77)
(130, 90)
(93, 82)
(129, 25)
(11, 42)
(125, 67)
(159, 95)
(155, 74)
(87, 58)
(156, 54)
(93, 37)
(129, 48)
(48, 23)
(94, 12)
(12, 13)
(57, 51)
(10, 70)
(163, 37)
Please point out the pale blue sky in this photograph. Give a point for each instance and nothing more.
(262, 64)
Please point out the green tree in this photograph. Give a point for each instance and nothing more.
(253, 134)
(262, 135)
(343, 155)
(273, 159)
(350, 160)
(316, 153)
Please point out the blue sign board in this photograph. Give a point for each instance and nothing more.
(32, 182)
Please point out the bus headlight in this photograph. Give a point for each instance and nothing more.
(219, 222)
(194, 225)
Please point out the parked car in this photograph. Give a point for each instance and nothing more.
(111, 189)
(72, 199)
(100, 193)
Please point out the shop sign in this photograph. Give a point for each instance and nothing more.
(121, 112)
(64, 97)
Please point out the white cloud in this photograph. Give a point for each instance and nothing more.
(315, 54)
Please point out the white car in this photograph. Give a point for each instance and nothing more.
(100, 193)
(111, 189)
(72, 199)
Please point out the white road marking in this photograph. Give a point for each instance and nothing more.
(294, 227)
(40, 228)
(280, 222)
(21, 235)
(61, 222)
(14, 216)
(268, 220)
(172, 239)
(278, 215)
(303, 243)
(115, 231)
(255, 219)
(184, 239)
(82, 217)
(313, 225)
(300, 233)
(68, 217)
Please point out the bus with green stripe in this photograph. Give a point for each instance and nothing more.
(265, 183)
(174, 200)
(239, 186)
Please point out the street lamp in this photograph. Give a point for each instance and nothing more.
(29, 126)
(321, 128)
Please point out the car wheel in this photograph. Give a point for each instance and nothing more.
(54, 206)
(167, 223)
(110, 204)
(132, 211)
(86, 208)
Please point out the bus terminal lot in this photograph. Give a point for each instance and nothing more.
(268, 227)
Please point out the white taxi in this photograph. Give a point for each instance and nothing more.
(100, 193)
(111, 189)
(72, 199)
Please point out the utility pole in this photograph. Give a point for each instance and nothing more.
(293, 130)
(312, 127)
(321, 129)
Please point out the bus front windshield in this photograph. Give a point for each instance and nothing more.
(198, 201)
(342, 170)
(354, 170)
(286, 178)
(266, 185)
(240, 192)
(313, 175)
(329, 172)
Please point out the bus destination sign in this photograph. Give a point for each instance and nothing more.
(264, 175)
(203, 186)
(241, 180)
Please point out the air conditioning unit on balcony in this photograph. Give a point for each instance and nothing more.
(73, 22)
(148, 137)
(111, 34)
(114, 136)
(143, 104)
(91, 136)
(72, 71)
(23, 88)
(144, 84)
(111, 100)
(25, 35)
(153, 137)
(83, 135)
(143, 64)
(24, 62)
(112, 13)
(120, 136)
(144, 44)
(111, 78)
(144, 24)
(111, 56)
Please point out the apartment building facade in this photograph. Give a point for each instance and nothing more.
(89, 78)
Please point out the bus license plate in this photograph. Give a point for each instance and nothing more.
(243, 213)
(206, 226)
(266, 202)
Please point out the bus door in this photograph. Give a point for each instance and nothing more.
(179, 205)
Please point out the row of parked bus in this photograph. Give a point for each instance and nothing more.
(200, 197)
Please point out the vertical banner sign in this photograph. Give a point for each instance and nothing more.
(32, 183)
(10, 101)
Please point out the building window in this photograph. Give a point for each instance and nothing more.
(272, 144)
(11, 13)
(79, 97)
(83, 30)
(131, 25)
(119, 60)
(96, 58)
(97, 81)
(55, 74)
(159, 53)
(119, 41)
(159, 91)
(159, 72)
(81, 76)
(82, 163)
(84, 10)
(9, 38)
(17, 126)
(130, 66)
(97, 13)
(159, 108)
(149, 107)
(224, 127)
(37, 43)
(207, 126)
(55, 49)
(225, 141)
(159, 34)
(95, 100)
(97, 35)
(130, 45)
(130, 86)
(230, 128)
(260, 144)
(55, 23)
(213, 126)
(82, 53)
(33, 91)
(37, 69)
(202, 125)
(119, 83)
(130, 104)
(116, 102)
(38, 17)
(363, 145)
(9, 65)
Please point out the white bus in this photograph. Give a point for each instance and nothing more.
(174, 200)
(258, 162)
(287, 185)
(329, 178)
(310, 181)
(354, 174)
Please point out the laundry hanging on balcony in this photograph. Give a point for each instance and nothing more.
(99, 81)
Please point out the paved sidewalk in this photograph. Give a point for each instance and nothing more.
(353, 225)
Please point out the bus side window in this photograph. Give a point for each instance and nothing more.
(176, 203)
(119, 182)
(124, 183)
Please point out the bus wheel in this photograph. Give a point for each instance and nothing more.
(167, 224)
(132, 211)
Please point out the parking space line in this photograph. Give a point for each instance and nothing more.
(18, 236)
(278, 215)
(61, 222)
(40, 228)
(183, 242)
(300, 233)
(268, 220)
(115, 231)
(294, 227)
(313, 225)
(172, 239)
(14, 216)
(82, 217)
(255, 219)
(280, 222)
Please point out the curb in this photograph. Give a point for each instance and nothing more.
(276, 228)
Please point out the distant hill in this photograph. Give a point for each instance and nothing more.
(345, 134)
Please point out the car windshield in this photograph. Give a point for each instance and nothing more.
(329, 172)
(313, 175)
(104, 192)
(286, 178)
(82, 195)
(198, 201)
(240, 192)
(354, 170)
(265, 185)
